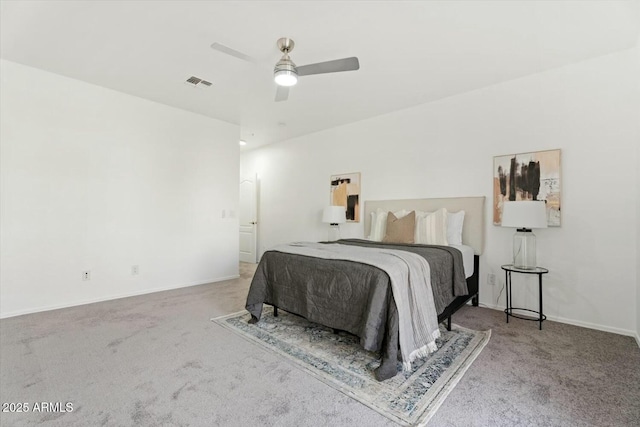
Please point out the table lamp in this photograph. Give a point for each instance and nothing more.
(334, 215)
(524, 216)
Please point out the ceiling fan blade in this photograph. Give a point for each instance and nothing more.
(282, 93)
(337, 65)
(226, 49)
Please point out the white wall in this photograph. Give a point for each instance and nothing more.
(446, 148)
(638, 196)
(93, 179)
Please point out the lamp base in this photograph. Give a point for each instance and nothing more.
(334, 232)
(524, 249)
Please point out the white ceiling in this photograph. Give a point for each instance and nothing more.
(410, 52)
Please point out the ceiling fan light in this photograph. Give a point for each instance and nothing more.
(285, 77)
(285, 72)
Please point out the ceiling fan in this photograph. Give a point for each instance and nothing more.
(286, 72)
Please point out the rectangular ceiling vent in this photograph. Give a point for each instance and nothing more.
(197, 82)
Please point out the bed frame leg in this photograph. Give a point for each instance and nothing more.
(275, 311)
(475, 301)
(449, 323)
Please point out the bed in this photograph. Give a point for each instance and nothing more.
(357, 297)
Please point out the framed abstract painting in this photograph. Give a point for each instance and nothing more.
(345, 191)
(528, 176)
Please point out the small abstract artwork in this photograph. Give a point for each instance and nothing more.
(528, 176)
(345, 191)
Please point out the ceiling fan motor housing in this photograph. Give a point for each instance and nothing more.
(285, 72)
(285, 64)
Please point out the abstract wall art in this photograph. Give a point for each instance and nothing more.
(345, 191)
(528, 176)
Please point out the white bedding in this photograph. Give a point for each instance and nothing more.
(467, 259)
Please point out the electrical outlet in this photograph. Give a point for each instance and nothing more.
(491, 279)
(135, 270)
(86, 275)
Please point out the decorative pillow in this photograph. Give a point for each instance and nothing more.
(431, 228)
(379, 223)
(455, 221)
(400, 230)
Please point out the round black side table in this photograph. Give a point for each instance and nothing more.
(508, 269)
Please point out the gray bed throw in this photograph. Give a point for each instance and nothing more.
(410, 279)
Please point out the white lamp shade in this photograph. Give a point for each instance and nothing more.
(524, 214)
(334, 215)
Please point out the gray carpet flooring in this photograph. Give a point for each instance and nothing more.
(158, 360)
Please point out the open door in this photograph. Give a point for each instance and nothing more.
(248, 220)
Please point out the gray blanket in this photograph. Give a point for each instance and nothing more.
(447, 267)
(350, 296)
(410, 283)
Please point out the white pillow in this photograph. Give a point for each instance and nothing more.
(402, 213)
(419, 214)
(379, 223)
(431, 227)
(455, 222)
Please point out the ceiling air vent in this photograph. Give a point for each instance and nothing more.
(197, 82)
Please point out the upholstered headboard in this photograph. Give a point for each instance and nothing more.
(472, 231)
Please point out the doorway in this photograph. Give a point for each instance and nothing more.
(248, 220)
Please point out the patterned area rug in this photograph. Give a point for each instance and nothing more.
(409, 398)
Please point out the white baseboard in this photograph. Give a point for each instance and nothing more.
(113, 297)
(619, 331)
(638, 338)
